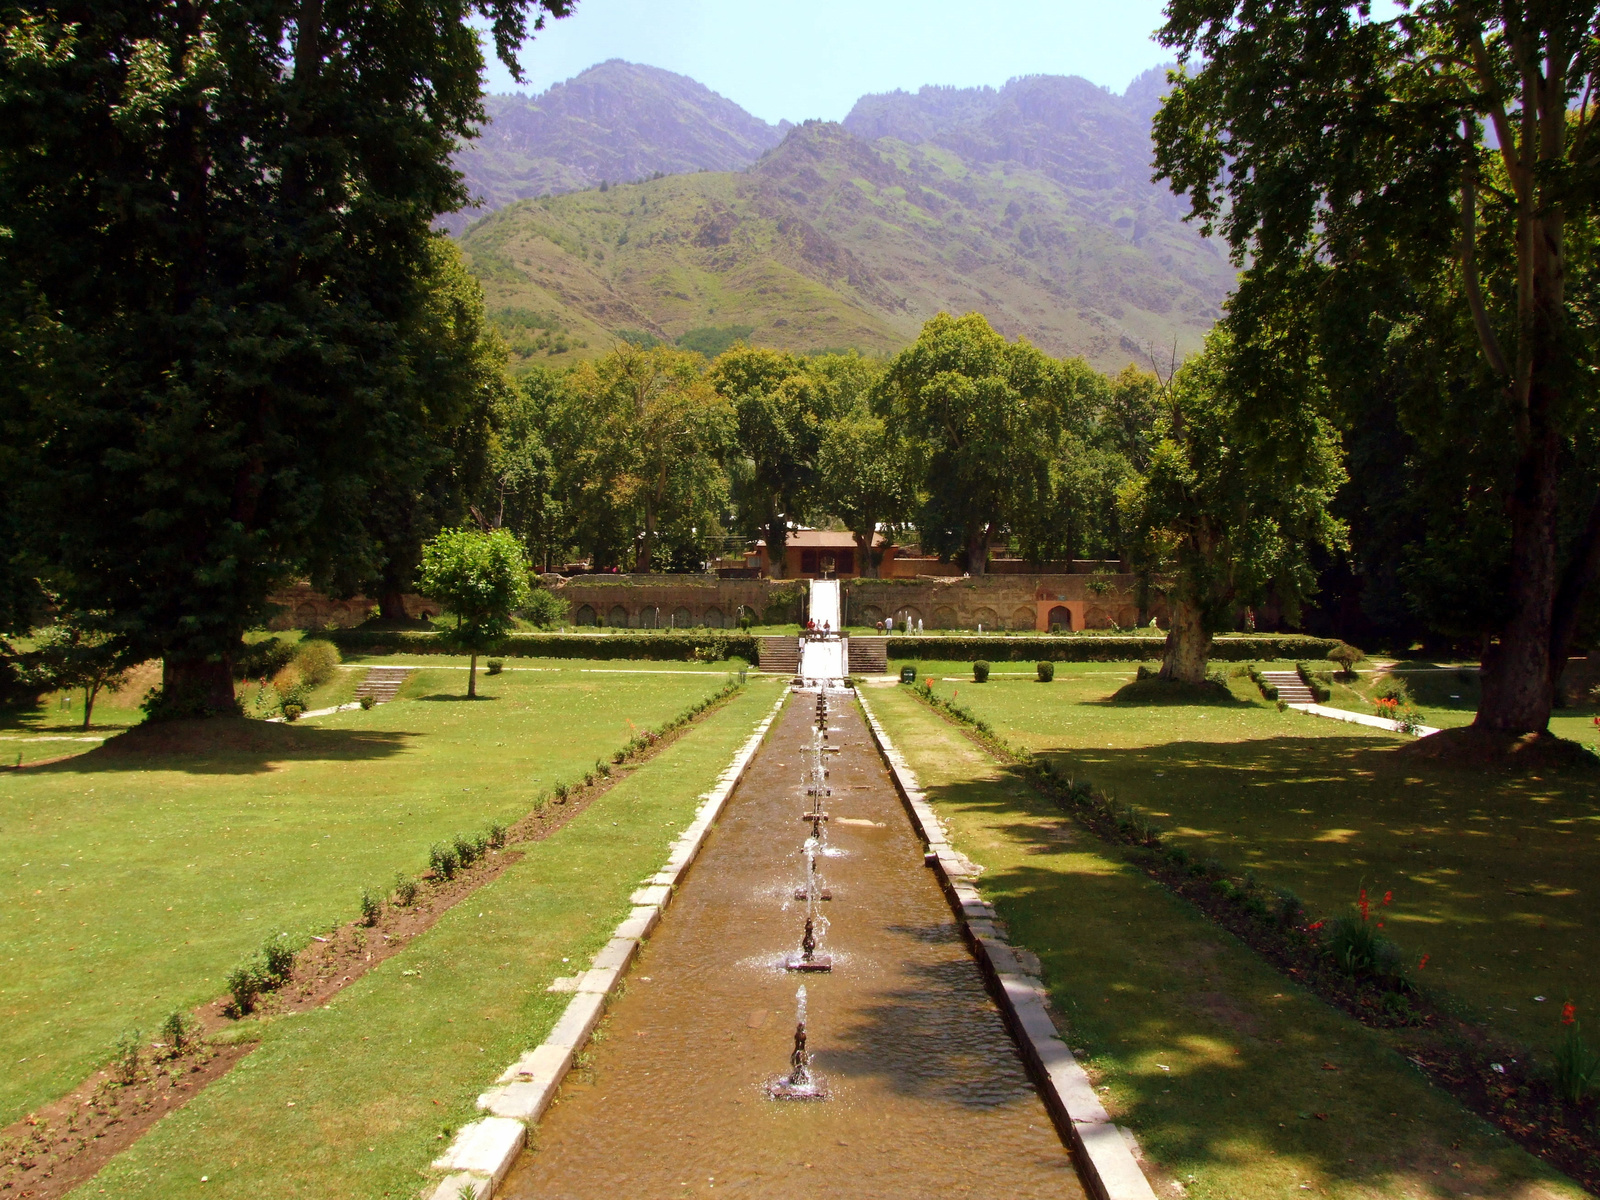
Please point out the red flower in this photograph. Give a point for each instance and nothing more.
(1363, 903)
(1388, 896)
(1318, 925)
(1424, 961)
(1569, 1013)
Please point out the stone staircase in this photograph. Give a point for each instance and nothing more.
(780, 655)
(382, 683)
(1291, 688)
(869, 655)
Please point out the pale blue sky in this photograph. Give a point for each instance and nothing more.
(812, 58)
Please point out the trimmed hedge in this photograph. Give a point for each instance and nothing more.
(1098, 648)
(680, 645)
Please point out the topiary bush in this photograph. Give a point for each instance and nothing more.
(316, 661)
(1046, 670)
(980, 672)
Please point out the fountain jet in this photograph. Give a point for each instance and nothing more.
(799, 1083)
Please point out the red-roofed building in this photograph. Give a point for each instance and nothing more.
(820, 554)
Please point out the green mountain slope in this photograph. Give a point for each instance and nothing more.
(829, 241)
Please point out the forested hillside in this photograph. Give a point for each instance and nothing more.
(1031, 204)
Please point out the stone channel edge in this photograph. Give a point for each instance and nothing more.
(1105, 1160)
(482, 1151)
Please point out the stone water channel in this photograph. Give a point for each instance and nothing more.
(927, 1095)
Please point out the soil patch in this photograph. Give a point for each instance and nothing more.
(1164, 691)
(51, 1151)
(1473, 746)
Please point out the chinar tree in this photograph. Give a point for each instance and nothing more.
(216, 218)
(1457, 137)
(982, 417)
(1230, 504)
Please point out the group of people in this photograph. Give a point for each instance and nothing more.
(887, 625)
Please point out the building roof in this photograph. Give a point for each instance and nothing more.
(809, 539)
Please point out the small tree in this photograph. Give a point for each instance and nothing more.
(480, 577)
(75, 653)
(1347, 656)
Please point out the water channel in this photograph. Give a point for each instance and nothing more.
(926, 1093)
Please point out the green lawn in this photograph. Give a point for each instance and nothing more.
(1493, 875)
(355, 1099)
(1239, 1084)
(133, 883)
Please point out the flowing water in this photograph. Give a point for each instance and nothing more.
(926, 1094)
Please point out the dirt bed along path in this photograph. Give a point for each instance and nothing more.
(928, 1094)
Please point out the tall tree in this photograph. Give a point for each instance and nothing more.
(519, 491)
(779, 408)
(865, 479)
(1311, 134)
(1231, 503)
(642, 434)
(216, 218)
(431, 452)
(984, 416)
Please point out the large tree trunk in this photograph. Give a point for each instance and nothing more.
(1579, 576)
(866, 558)
(392, 604)
(472, 679)
(90, 691)
(978, 549)
(206, 680)
(777, 547)
(1188, 645)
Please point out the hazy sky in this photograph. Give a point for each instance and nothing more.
(813, 58)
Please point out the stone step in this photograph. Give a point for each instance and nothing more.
(382, 683)
(780, 654)
(869, 655)
(1291, 688)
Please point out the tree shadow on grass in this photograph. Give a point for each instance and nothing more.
(227, 746)
(1142, 982)
(450, 696)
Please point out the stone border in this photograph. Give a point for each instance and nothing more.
(1355, 718)
(483, 1150)
(1105, 1159)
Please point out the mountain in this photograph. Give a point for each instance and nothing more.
(1031, 203)
(616, 121)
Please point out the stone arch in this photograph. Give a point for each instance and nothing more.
(305, 617)
(1098, 618)
(617, 618)
(1060, 616)
(906, 617)
(584, 615)
(713, 617)
(944, 617)
(988, 618)
(1023, 618)
(649, 616)
(747, 613)
(869, 614)
(682, 618)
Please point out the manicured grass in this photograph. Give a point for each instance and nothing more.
(355, 1099)
(134, 882)
(1492, 875)
(1239, 1084)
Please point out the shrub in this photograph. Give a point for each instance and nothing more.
(665, 645)
(1046, 670)
(1358, 949)
(908, 674)
(1346, 655)
(442, 860)
(128, 1049)
(371, 908)
(1392, 687)
(497, 836)
(293, 712)
(466, 849)
(278, 957)
(1320, 691)
(367, 702)
(316, 661)
(176, 1032)
(244, 985)
(545, 609)
(1288, 910)
(264, 659)
(980, 672)
(405, 890)
(1577, 1066)
(495, 666)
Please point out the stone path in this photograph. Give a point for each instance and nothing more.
(1355, 718)
(1291, 688)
